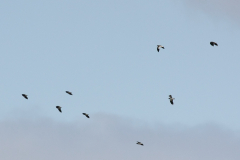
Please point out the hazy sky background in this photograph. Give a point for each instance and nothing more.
(105, 53)
(111, 137)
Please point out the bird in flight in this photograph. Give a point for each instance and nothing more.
(25, 96)
(139, 143)
(87, 115)
(213, 43)
(171, 99)
(159, 46)
(59, 108)
(70, 93)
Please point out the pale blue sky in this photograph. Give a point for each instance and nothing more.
(105, 53)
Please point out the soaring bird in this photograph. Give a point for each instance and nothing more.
(213, 43)
(70, 93)
(139, 143)
(25, 96)
(59, 108)
(87, 115)
(159, 46)
(171, 99)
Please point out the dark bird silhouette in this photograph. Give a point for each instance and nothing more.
(59, 108)
(87, 115)
(171, 99)
(139, 143)
(213, 43)
(70, 93)
(159, 46)
(25, 96)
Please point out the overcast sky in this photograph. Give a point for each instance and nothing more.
(106, 136)
(218, 9)
(105, 53)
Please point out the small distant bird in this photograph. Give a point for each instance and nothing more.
(59, 108)
(213, 43)
(25, 96)
(171, 99)
(70, 93)
(159, 46)
(139, 143)
(87, 115)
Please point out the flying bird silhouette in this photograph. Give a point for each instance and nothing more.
(25, 96)
(87, 115)
(159, 46)
(139, 143)
(213, 43)
(70, 93)
(59, 108)
(171, 99)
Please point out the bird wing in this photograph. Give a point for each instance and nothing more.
(59, 108)
(25, 96)
(139, 143)
(70, 93)
(171, 101)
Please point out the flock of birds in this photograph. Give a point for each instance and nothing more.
(87, 115)
(59, 107)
